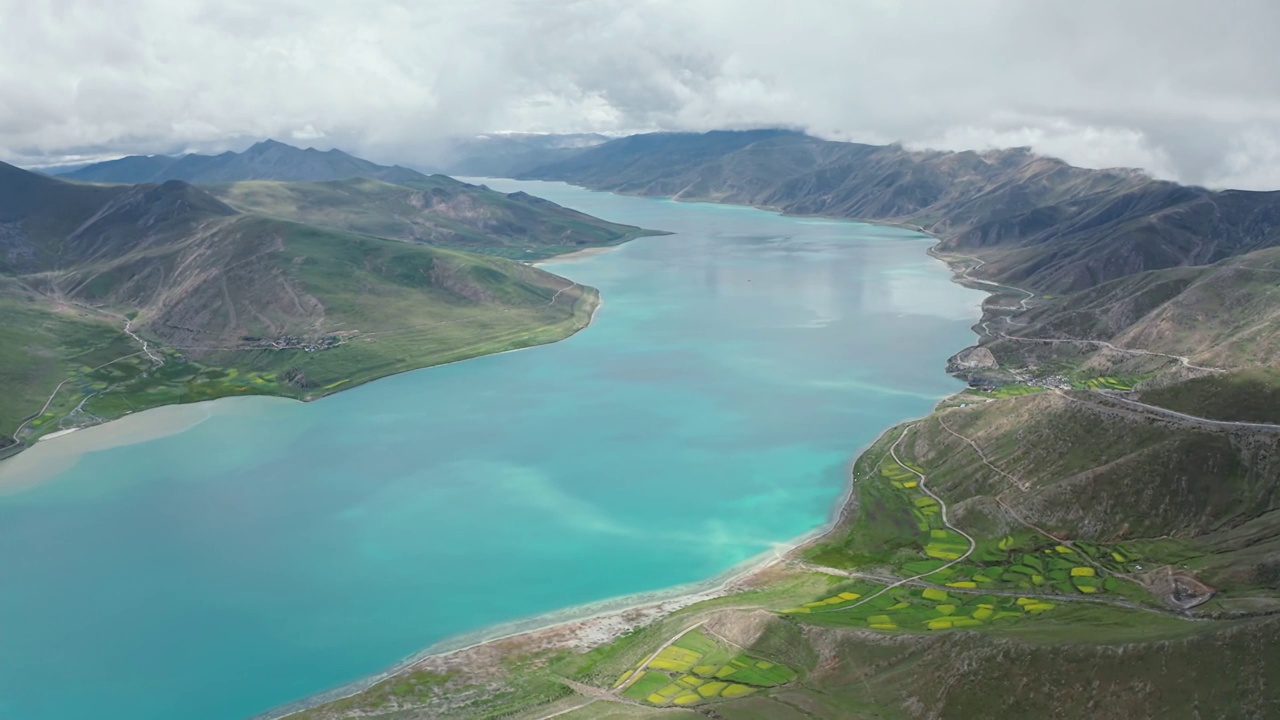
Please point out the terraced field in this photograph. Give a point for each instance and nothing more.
(936, 539)
(986, 589)
(1006, 391)
(699, 668)
(915, 609)
(1011, 578)
(135, 382)
(1034, 563)
(1107, 382)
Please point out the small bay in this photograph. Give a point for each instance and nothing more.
(234, 556)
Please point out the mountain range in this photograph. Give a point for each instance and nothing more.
(1036, 221)
(266, 160)
(334, 189)
(509, 154)
(118, 297)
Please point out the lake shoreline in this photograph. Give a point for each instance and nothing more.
(19, 448)
(595, 624)
(583, 627)
(577, 255)
(579, 627)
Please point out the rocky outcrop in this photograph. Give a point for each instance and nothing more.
(971, 359)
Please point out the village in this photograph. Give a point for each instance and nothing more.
(290, 342)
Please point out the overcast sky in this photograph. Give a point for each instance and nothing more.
(1187, 90)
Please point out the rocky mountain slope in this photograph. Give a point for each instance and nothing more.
(1037, 221)
(436, 210)
(1226, 314)
(336, 190)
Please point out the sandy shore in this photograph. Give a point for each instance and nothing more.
(57, 434)
(578, 628)
(583, 627)
(45, 459)
(577, 255)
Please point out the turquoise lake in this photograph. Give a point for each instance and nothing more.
(274, 549)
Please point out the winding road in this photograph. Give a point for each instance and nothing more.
(942, 511)
(1183, 360)
(1022, 304)
(1192, 418)
(1093, 397)
(570, 286)
(128, 329)
(52, 395)
(650, 658)
(1023, 307)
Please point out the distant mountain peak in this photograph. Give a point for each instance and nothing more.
(269, 144)
(268, 159)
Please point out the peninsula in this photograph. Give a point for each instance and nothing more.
(118, 298)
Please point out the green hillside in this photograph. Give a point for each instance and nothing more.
(1245, 396)
(436, 210)
(126, 297)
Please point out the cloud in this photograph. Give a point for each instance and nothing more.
(1184, 89)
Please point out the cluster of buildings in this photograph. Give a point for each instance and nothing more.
(291, 342)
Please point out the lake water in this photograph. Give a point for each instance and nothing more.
(272, 550)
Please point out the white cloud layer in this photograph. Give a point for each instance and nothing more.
(1188, 90)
